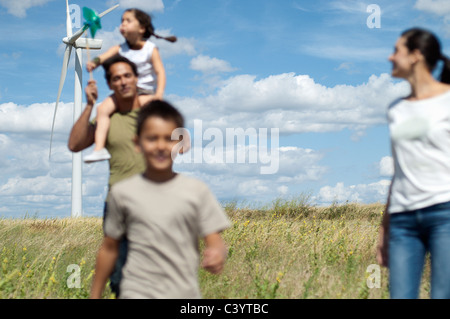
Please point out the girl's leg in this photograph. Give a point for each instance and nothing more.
(406, 256)
(104, 112)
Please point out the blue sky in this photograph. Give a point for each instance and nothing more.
(313, 70)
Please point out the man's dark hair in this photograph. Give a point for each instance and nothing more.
(116, 59)
(159, 108)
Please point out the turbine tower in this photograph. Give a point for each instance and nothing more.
(75, 41)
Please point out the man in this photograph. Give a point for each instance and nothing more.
(121, 76)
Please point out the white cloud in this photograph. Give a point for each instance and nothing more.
(208, 65)
(363, 193)
(294, 103)
(35, 117)
(145, 5)
(386, 166)
(183, 46)
(297, 166)
(438, 7)
(19, 8)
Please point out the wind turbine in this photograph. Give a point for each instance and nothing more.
(75, 41)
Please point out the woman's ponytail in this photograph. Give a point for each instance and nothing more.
(445, 74)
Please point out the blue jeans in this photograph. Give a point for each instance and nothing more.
(116, 275)
(411, 235)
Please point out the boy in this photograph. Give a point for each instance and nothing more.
(162, 214)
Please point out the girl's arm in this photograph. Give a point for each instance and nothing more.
(91, 65)
(160, 73)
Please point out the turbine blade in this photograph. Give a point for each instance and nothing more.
(68, 20)
(108, 11)
(80, 32)
(61, 84)
(77, 34)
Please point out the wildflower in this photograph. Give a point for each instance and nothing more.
(52, 279)
(24, 248)
(279, 277)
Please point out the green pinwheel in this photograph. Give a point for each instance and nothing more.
(92, 20)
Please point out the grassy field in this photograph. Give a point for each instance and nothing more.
(288, 249)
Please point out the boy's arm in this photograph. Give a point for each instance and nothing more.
(83, 131)
(160, 74)
(91, 65)
(215, 253)
(106, 259)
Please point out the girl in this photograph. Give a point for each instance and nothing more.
(417, 216)
(136, 28)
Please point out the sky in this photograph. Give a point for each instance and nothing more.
(283, 99)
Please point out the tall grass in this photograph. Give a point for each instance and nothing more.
(288, 249)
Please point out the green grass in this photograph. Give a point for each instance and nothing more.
(288, 249)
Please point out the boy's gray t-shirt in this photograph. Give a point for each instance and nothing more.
(162, 222)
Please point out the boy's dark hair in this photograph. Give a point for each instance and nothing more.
(116, 59)
(159, 108)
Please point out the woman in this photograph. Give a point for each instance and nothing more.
(417, 216)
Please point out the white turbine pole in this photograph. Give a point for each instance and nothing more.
(74, 41)
(76, 157)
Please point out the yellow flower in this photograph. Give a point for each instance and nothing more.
(279, 277)
(24, 248)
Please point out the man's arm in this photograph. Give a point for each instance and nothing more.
(83, 131)
(215, 253)
(106, 259)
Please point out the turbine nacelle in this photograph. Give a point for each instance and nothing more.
(84, 43)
